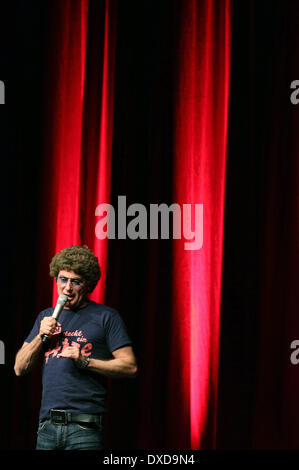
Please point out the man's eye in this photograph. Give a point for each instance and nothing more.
(75, 282)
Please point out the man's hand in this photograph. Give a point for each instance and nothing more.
(72, 352)
(48, 326)
(123, 363)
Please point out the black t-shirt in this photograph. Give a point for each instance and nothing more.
(97, 330)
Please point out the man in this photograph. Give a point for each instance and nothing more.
(88, 344)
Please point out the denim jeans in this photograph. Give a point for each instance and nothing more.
(71, 436)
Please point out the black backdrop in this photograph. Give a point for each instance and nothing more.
(257, 383)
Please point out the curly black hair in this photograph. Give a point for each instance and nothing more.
(79, 259)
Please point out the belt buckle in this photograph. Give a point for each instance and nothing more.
(58, 416)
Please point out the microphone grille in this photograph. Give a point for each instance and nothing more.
(62, 299)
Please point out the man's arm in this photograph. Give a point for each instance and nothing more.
(29, 352)
(27, 356)
(123, 364)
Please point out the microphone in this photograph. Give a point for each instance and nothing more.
(62, 299)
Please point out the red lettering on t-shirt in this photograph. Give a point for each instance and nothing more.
(81, 340)
(53, 351)
(73, 333)
(47, 354)
(85, 350)
(65, 344)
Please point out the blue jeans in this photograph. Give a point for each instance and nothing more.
(71, 436)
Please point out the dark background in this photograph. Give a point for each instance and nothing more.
(258, 385)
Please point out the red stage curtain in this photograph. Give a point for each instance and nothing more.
(77, 177)
(200, 136)
(78, 129)
(152, 82)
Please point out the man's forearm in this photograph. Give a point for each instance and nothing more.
(27, 356)
(113, 367)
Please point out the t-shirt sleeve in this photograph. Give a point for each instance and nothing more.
(116, 332)
(36, 327)
(33, 333)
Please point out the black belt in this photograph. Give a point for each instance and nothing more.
(65, 417)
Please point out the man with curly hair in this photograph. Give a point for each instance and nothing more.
(88, 344)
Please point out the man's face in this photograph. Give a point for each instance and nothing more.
(74, 287)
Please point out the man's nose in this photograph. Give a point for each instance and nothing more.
(69, 285)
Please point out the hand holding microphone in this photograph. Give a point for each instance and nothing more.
(48, 324)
